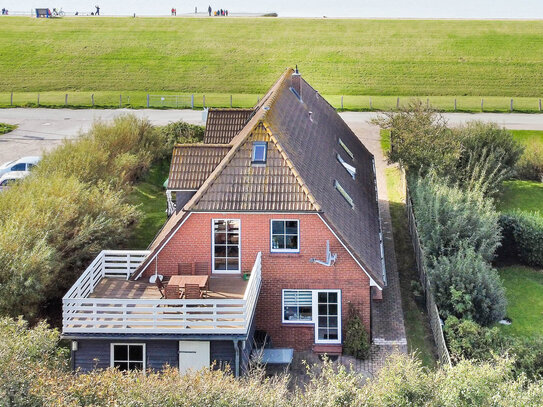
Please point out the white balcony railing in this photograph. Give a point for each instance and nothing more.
(84, 314)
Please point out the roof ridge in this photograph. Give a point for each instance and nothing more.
(182, 145)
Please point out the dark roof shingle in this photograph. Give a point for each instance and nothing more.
(222, 125)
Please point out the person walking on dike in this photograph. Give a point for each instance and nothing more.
(209, 11)
(97, 11)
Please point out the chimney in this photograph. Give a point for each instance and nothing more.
(297, 82)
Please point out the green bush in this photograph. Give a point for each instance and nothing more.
(467, 287)
(182, 132)
(356, 342)
(530, 166)
(449, 217)
(523, 237)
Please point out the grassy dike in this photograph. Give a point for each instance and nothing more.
(359, 59)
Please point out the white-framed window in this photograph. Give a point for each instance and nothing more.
(298, 306)
(260, 152)
(128, 356)
(285, 235)
(322, 308)
(350, 169)
(226, 246)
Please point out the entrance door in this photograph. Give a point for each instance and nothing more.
(193, 355)
(328, 324)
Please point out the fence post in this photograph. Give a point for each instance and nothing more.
(92, 100)
(371, 107)
(342, 102)
(204, 101)
(257, 100)
(38, 99)
(121, 100)
(539, 104)
(398, 103)
(427, 103)
(147, 100)
(66, 100)
(11, 102)
(454, 103)
(511, 108)
(192, 101)
(482, 104)
(230, 100)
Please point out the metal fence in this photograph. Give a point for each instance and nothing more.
(177, 101)
(420, 258)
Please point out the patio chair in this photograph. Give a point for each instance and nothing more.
(172, 292)
(201, 268)
(192, 292)
(161, 288)
(184, 269)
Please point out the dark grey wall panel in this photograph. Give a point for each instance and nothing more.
(223, 353)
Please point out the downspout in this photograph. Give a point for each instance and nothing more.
(236, 347)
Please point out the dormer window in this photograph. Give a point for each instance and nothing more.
(350, 169)
(260, 152)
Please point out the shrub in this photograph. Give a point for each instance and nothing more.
(420, 138)
(523, 236)
(449, 217)
(467, 287)
(530, 165)
(182, 132)
(357, 342)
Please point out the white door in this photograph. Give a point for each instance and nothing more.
(193, 355)
(328, 321)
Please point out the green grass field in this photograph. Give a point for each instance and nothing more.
(360, 59)
(524, 288)
(149, 195)
(523, 195)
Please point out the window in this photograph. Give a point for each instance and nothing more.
(19, 167)
(344, 193)
(128, 356)
(285, 235)
(260, 152)
(350, 169)
(342, 144)
(226, 250)
(328, 316)
(298, 306)
(296, 94)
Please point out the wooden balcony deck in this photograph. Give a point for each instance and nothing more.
(220, 287)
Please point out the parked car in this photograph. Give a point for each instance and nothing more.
(22, 164)
(9, 177)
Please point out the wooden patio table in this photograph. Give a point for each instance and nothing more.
(180, 281)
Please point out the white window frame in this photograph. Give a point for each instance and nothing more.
(347, 150)
(344, 193)
(348, 167)
(314, 313)
(213, 248)
(297, 250)
(112, 356)
(264, 145)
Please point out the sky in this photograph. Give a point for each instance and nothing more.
(295, 8)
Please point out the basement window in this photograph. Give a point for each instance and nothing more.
(128, 356)
(350, 169)
(344, 193)
(342, 144)
(260, 152)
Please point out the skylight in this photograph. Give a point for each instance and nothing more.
(260, 152)
(350, 169)
(296, 94)
(344, 193)
(342, 144)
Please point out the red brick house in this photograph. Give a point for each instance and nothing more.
(284, 193)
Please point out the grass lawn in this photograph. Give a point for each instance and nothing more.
(441, 59)
(150, 195)
(523, 195)
(524, 288)
(6, 128)
(419, 335)
(528, 137)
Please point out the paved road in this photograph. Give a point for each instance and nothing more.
(43, 129)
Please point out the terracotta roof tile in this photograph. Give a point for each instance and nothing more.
(222, 125)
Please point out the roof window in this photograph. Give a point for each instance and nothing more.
(342, 144)
(260, 152)
(344, 193)
(296, 93)
(350, 169)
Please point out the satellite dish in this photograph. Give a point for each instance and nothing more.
(330, 258)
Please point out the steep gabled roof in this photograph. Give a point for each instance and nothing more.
(303, 133)
(223, 125)
(192, 163)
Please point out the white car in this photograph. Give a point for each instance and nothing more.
(9, 177)
(22, 164)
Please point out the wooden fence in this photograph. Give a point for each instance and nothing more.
(420, 258)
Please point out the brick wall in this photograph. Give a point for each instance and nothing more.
(279, 271)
